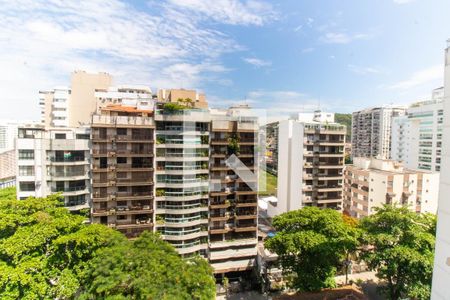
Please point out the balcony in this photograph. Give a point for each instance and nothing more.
(219, 141)
(135, 138)
(126, 121)
(145, 195)
(134, 181)
(138, 223)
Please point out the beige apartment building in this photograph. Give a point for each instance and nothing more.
(72, 106)
(187, 97)
(371, 182)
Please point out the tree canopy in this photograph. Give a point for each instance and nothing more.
(311, 243)
(401, 250)
(46, 253)
(44, 249)
(148, 268)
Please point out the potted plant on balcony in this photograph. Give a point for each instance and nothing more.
(233, 144)
(160, 220)
(160, 192)
(160, 140)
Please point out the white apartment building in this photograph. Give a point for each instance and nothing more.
(371, 131)
(72, 106)
(54, 160)
(417, 136)
(440, 289)
(8, 133)
(310, 163)
(372, 182)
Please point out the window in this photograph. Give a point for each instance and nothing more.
(121, 217)
(83, 136)
(76, 200)
(60, 136)
(26, 154)
(121, 160)
(27, 186)
(122, 189)
(26, 170)
(121, 131)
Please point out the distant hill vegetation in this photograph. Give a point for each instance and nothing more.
(345, 119)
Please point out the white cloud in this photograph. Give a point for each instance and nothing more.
(342, 38)
(230, 11)
(363, 70)
(258, 63)
(426, 76)
(168, 45)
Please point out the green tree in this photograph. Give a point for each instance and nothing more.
(8, 193)
(311, 243)
(345, 119)
(400, 247)
(44, 250)
(147, 268)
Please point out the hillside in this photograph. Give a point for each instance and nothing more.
(345, 119)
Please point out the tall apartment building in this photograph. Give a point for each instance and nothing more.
(310, 163)
(233, 206)
(440, 289)
(371, 131)
(182, 179)
(164, 170)
(54, 160)
(72, 106)
(123, 168)
(372, 182)
(417, 136)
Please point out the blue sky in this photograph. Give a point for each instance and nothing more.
(284, 56)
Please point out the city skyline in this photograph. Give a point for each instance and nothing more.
(305, 57)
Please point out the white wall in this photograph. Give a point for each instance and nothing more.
(441, 272)
(290, 168)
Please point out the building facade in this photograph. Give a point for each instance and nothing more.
(8, 134)
(123, 168)
(371, 131)
(164, 170)
(440, 289)
(417, 136)
(233, 202)
(54, 160)
(8, 168)
(72, 106)
(371, 182)
(310, 163)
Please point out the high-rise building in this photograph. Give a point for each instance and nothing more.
(441, 271)
(233, 206)
(182, 178)
(417, 136)
(310, 163)
(123, 167)
(54, 160)
(371, 131)
(162, 168)
(371, 182)
(72, 106)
